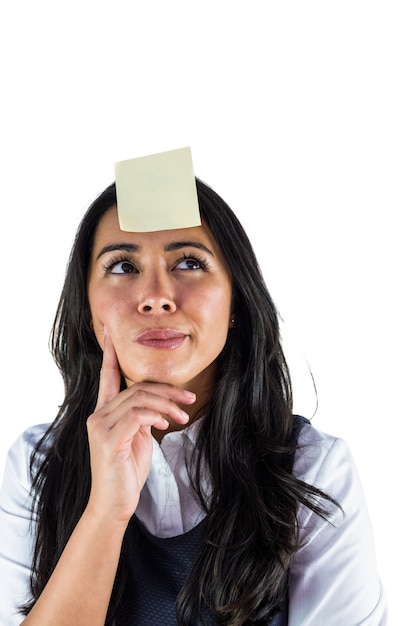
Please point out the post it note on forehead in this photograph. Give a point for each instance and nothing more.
(157, 192)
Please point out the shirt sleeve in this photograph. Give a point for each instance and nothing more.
(334, 577)
(16, 532)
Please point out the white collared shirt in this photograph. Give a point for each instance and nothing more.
(168, 505)
(334, 578)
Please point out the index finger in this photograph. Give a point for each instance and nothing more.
(110, 375)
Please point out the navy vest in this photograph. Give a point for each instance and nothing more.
(157, 569)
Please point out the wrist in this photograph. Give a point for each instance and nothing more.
(103, 521)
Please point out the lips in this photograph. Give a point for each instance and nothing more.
(161, 339)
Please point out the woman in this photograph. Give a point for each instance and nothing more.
(175, 485)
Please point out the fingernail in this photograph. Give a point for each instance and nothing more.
(190, 394)
(185, 415)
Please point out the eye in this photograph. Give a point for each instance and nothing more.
(120, 266)
(191, 263)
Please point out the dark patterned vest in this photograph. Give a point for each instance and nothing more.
(157, 569)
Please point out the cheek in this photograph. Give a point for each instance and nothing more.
(97, 320)
(105, 311)
(215, 307)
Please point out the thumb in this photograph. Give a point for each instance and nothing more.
(110, 376)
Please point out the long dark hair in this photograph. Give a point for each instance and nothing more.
(247, 441)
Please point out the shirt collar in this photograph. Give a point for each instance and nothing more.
(177, 436)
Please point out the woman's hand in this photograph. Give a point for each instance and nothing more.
(120, 437)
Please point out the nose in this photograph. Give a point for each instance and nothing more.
(156, 295)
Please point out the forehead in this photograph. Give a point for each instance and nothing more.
(108, 232)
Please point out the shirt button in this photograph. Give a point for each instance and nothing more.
(163, 471)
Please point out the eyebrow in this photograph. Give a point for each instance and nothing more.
(176, 245)
(126, 247)
(173, 245)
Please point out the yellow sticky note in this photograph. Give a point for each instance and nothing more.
(157, 192)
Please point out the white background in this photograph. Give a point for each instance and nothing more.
(302, 115)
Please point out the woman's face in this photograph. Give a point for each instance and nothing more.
(165, 299)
